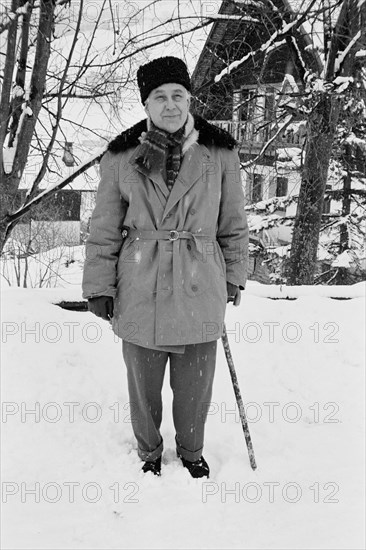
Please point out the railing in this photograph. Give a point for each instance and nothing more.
(247, 133)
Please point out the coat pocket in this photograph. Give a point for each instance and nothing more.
(203, 271)
(219, 256)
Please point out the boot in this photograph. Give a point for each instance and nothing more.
(198, 468)
(153, 466)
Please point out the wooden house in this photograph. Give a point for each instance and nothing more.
(246, 100)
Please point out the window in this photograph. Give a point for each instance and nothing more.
(257, 187)
(359, 160)
(326, 202)
(281, 186)
(269, 105)
(247, 101)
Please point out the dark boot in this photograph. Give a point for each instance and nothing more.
(153, 466)
(198, 468)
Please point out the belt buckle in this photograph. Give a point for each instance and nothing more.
(173, 235)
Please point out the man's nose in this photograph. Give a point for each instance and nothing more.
(170, 103)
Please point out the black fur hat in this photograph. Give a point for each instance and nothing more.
(162, 71)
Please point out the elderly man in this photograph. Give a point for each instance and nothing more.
(167, 250)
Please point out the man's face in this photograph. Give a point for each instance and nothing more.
(168, 106)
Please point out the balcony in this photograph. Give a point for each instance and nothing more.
(251, 135)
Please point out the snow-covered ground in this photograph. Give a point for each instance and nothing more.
(71, 477)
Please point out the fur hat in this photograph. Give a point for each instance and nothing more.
(162, 70)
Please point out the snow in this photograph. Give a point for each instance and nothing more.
(354, 140)
(10, 152)
(6, 12)
(23, 9)
(318, 85)
(289, 157)
(298, 356)
(342, 260)
(8, 159)
(18, 91)
(342, 55)
(281, 251)
(300, 368)
(289, 79)
(257, 222)
(342, 83)
(60, 183)
(270, 45)
(60, 266)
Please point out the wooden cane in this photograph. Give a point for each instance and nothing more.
(239, 400)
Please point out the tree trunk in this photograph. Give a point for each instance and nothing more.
(305, 239)
(27, 123)
(342, 275)
(346, 203)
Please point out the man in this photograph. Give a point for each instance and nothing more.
(167, 249)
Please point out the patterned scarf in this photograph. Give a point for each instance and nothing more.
(162, 150)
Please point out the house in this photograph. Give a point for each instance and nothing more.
(246, 101)
(55, 222)
(62, 219)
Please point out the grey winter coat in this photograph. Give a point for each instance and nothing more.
(169, 289)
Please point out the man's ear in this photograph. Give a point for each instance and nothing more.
(146, 107)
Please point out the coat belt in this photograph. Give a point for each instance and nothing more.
(163, 234)
(174, 236)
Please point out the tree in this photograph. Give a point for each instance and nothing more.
(326, 42)
(325, 103)
(57, 57)
(33, 113)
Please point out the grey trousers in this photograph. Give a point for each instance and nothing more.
(191, 379)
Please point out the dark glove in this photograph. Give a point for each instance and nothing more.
(233, 293)
(101, 306)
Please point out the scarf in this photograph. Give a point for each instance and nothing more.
(162, 150)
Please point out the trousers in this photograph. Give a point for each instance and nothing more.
(191, 379)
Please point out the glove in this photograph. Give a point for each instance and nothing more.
(233, 294)
(101, 306)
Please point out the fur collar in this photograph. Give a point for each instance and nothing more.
(206, 134)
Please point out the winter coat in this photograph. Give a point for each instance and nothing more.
(170, 291)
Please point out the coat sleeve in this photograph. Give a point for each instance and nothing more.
(105, 240)
(233, 233)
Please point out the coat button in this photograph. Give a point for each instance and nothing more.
(193, 211)
(194, 288)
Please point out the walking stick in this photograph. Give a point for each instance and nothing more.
(239, 400)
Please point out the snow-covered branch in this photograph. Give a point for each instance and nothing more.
(8, 17)
(287, 121)
(55, 187)
(342, 55)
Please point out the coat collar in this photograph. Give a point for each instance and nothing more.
(195, 164)
(208, 134)
(196, 160)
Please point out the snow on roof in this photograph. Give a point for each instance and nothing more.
(289, 157)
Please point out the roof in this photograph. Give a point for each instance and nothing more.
(223, 31)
